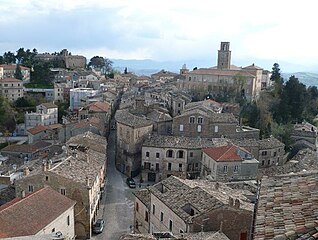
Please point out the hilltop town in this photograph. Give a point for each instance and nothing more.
(88, 152)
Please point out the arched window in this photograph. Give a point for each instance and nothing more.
(180, 154)
(169, 154)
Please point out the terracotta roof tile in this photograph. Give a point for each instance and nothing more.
(223, 153)
(99, 107)
(37, 129)
(32, 213)
(287, 207)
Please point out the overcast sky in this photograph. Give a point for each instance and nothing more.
(165, 30)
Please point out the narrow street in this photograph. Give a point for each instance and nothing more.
(118, 204)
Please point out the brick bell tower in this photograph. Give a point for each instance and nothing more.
(224, 56)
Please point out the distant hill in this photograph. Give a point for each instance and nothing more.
(148, 67)
(307, 78)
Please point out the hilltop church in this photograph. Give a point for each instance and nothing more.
(225, 77)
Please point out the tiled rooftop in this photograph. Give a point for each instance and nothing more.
(126, 118)
(77, 168)
(144, 196)
(26, 148)
(184, 236)
(202, 195)
(37, 129)
(49, 105)
(304, 160)
(183, 142)
(226, 153)
(29, 215)
(158, 116)
(287, 207)
(90, 140)
(267, 143)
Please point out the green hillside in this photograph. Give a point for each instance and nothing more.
(307, 78)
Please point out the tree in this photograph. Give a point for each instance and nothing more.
(97, 62)
(18, 74)
(293, 101)
(125, 71)
(1, 60)
(108, 67)
(21, 54)
(7, 116)
(277, 79)
(9, 57)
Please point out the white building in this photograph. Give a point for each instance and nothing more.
(11, 88)
(46, 114)
(77, 94)
(43, 212)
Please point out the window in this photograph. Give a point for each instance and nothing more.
(63, 191)
(181, 128)
(192, 119)
(269, 162)
(146, 216)
(225, 169)
(46, 178)
(31, 188)
(169, 166)
(180, 154)
(157, 155)
(216, 128)
(264, 153)
(161, 216)
(275, 153)
(191, 154)
(153, 209)
(179, 104)
(157, 166)
(169, 153)
(53, 230)
(180, 167)
(200, 120)
(263, 162)
(181, 231)
(147, 154)
(199, 128)
(235, 168)
(137, 207)
(170, 225)
(68, 220)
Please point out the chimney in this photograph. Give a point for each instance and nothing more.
(26, 171)
(87, 182)
(22, 194)
(231, 201)
(237, 203)
(217, 185)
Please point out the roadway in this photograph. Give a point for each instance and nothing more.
(118, 205)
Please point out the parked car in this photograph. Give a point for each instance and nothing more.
(131, 182)
(98, 227)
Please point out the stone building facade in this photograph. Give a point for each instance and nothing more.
(269, 152)
(228, 163)
(163, 156)
(131, 132)
(187, 206)
(11, 88)
(78, 175)
(225, 77)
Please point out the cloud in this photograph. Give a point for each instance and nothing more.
(163, 30)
